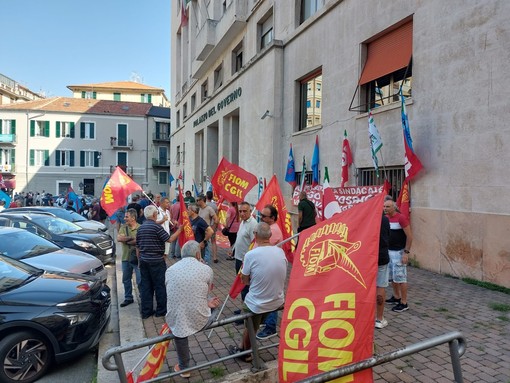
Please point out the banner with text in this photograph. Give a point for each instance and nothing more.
(232, 182)
(328, 321)
(347, 196)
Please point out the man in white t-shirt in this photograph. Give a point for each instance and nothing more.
(164, 220)
(264, 270)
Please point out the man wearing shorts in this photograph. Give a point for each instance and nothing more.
(382, 272)
(400, 242)
(264, 270)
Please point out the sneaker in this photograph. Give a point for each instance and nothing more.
(393, 300)
(127, 302)
(184, 374)
(265, 334)
(381, 323)
(400, 308)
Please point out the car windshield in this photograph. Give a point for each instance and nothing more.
(14, 273)
(24, 244)
(68, 215)
(55, 225)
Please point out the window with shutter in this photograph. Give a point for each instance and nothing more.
(57, 157)
(57, 129)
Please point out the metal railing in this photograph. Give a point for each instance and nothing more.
(455, 340)
(257, 363)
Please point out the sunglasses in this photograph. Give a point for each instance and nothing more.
(243, 211)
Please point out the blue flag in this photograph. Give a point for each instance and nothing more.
(290, 174)
(72, 196)
(315, 163)
(170, 179)
(4, 196)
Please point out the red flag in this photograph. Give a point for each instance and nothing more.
(184, 16)
(403, 199)
(237, 286)
(187, 231)
(412, 163)
(346, 160)
(116, 190)
(273, 196)
(330, 205)
(328, 321)
(232, 182)
(156, 358)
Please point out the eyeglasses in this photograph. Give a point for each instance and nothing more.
(243, 211)
(264, 216)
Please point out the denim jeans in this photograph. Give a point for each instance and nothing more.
(127, 279)
(153, 283)
(207, 253)
(270, 321)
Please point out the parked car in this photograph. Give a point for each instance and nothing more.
(47, 317)
(63, 233)
(39, 252)
(68, 215)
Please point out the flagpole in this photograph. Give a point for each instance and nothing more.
(219, 313)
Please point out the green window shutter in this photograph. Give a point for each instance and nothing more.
(72, 130)
(57, 129)
(32, 128)
(46, 128)
(13, 126)
(83, 94)
(13, 156)
(32, 157)
(46, 158)
(92, 131)
(82, 130)
(1, 124)
(82, 158)
(57, 157)
(94, 95)
(149, 97)
(71, 158)
(96, 159)
(142, 98)
(116, 97)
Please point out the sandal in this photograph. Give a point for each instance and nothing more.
(232, 350)
(184, 374)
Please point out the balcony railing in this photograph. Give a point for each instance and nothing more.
(121, 143)
(160, 136)
(127, 169)
(161, 162)
(8, 138)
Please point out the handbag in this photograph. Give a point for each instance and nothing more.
(226, 230)
(133, 259)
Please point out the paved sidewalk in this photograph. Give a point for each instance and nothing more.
(438, 305)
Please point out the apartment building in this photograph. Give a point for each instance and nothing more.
(251, 77)
(55, 143)
(11, 91)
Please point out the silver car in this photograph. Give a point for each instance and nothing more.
(39, 252)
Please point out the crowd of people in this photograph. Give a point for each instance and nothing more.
(181, 291)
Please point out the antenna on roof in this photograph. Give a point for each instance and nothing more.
(135, 77)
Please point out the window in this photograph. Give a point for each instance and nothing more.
(39, 157)
(7, 159)
(122, 138)
(185, 110)
(193, 102)
(64, 157)
(64, 129)
(162, 131)
(218, 76)
(309, 8)
(87, 130)
(237, 58)
(205, 94)
(122, 158)
(162, 178)
(146, 98)
(7, 126)
(310, 100)
(178, 156)
(266, 31)
(178, 118)
(308, 177)
(89, 95)
(39, 128)
(116, 97)
(89, 158)
(388, 68)
(395, 176)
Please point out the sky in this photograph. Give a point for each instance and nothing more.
(47, 45)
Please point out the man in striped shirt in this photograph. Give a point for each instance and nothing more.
(150, 242)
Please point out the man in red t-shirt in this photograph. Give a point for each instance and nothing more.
(399, 247)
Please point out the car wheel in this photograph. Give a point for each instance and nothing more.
(25, 357)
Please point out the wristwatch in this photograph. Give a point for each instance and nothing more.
(406, 251)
